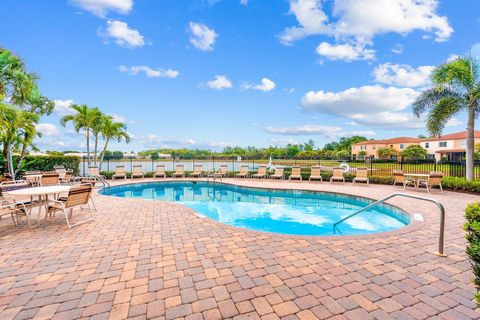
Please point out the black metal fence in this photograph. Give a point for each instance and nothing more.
(376, 167)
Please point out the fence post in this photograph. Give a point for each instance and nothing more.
(83, 163)
(401, 163)
(233, 163)
(253, 164)
(435, 164)
(213, 163)
(152, 165)
(131, 164)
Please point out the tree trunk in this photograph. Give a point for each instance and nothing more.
(95, 149)
(470, 143)
(88, 147)
(10, 161)
(22, 154)
(103, 152)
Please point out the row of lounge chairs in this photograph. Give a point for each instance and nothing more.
(198, 172)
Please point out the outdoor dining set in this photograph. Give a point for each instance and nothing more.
(47, 192)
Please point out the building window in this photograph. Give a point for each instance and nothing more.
(427, 144)
(463, 143)
(402, 146)
(374, 147)
(442, 144)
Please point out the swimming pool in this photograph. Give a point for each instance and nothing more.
(278, 211)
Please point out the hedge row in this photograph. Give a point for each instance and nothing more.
(472, 227)
(461, 184)
(46, 163)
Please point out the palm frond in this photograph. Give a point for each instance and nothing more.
(441, 112)
(430, 97)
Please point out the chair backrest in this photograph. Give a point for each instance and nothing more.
(7, 186)
(60, 169)
(179, 168)
(296, 171)
(338, 172)
(362, 173)
(398, 176)
(160, 169)
(244, 170)
(279, 171)
(262, 170)
(120, 170)
(78, 195)
(315, 171)
(93, 171)
(198, 168)
(138, 169)
(223, 169)
(50, 178)
(33, 172)
(435, 178)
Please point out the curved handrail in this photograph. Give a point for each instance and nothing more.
(441, 237)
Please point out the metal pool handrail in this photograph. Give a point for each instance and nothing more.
(441, 237)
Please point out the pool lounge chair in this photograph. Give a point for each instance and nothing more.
(296, 174)
(337, 175)
(315, 174)
(197, 171)
(60, 169)
(243, 172)
(160, 171)
(223, 170)
(361, 176)
(278, 174)
(261, 173)
(179, 171)
(435, 179)
(94, 171)
(137, 171)
(119, 173)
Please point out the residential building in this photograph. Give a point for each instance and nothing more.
(371, 147)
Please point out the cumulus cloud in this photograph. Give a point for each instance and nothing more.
(63, 107)
(102, 7)
(373, 106)
(397, 48)
(265, 85)
(345, 52)
(453, 122)
(120, 33)
(150, 72)
(155, 141)
(202, 37)
(403, 75)
(244, 2)
(48, 130)
(326, 131)
(219, 82)
(365, 133)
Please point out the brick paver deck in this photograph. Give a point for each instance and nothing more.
(145, 259)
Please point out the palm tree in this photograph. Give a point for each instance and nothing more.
(85, 119)
(456, 88)
(112, 130)
(96, 131)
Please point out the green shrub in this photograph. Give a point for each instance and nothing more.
(461, 184)
(472, 227)
(46, 163)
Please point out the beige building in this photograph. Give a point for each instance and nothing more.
(450, 146)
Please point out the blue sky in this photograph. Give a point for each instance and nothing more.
(210, 73)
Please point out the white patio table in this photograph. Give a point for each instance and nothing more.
(416, 177)
(42, 193)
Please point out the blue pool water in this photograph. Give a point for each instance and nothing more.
(278, 211)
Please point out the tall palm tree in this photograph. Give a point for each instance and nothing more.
(84, 119)
(456, 88)
(112, 130)
(96, 131)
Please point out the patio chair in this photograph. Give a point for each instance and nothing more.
(34, 178)
(435, 179)
(361, 176)
(119, 173)
(197, 171)
(78, 196)
(278, 174)
(223, 170)
(179, 171)
(67, 178)
(337, 175)
(60, 169)
(50, 178)
(296, 174)
(399, 178)
(261, 173)
(7, 186)
(14, 210)
(137, 171)
(160, 171)
(243, 172)
(315, 174)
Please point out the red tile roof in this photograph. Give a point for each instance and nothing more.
(454, 136)
(390, 141)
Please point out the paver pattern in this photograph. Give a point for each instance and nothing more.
(144, 259)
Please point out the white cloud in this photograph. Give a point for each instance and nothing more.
(63, 107)
(203, 37)
(265, 85)
(403, 75)
(155, 141)
(244, 2)
(219, 82)
(101, 7)
(326, 131)
(397, 48)
(452, 57)
(453, 122)
(366, 133)
(372, 106)
(150, 72)
(345, 52)
(48, 129)
(123, 35)
(281, 142)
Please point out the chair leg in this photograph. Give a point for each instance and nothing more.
(441, 188)
(13, 219)
(66, 218)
